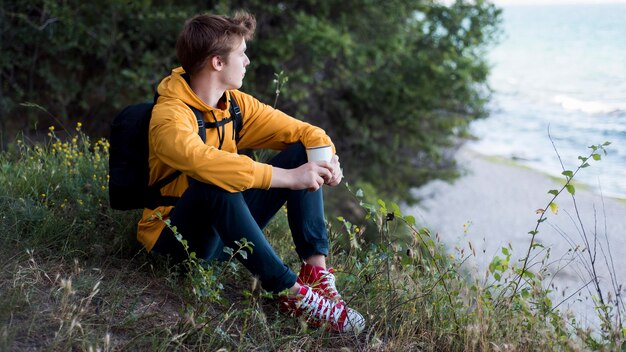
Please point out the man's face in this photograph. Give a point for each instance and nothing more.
(235, 68)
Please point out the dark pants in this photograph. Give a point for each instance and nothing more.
(209, 217)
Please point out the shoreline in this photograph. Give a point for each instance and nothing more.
(558, 180)
(493, 205)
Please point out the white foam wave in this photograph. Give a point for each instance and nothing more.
(589, 107)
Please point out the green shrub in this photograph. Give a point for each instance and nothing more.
(57, 197)
(393, 82)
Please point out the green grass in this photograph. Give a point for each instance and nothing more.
(73, 278)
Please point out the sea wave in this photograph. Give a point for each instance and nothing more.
(589, 107)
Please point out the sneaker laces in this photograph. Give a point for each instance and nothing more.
(320, 307)
(327, 280)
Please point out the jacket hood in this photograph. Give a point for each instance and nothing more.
(175, 86)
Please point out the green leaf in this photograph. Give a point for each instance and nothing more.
(604, 145)
(244, 254)
(410, 219)
(554, 192)
(567, 173)
(370, 208)
(584, 165)
(396, 209)
(528, 274)
(554, 207)
(596, 156)
(571, 189)
(359, 193)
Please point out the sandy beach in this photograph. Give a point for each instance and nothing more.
(494, 205)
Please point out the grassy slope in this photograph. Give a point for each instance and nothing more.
(73, 278)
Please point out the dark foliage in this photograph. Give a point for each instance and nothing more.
(393, 82)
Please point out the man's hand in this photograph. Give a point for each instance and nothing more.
(336, 172)
(311, 175)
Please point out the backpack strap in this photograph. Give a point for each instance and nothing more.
(200, 120)
(235, 117)
(235, 114)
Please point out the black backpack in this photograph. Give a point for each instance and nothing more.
(128, 159)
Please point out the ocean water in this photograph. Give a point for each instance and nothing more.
(560, 71)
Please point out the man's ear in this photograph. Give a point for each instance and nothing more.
(217, 63)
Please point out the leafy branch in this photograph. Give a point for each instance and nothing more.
(206, 283)
(552, 205)
(382, 215)
(280, 81)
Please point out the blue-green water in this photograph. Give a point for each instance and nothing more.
(562, 68)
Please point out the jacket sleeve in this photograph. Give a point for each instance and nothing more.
(175, 143)
(266, 127)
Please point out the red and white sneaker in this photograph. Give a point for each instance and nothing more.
(319, 310)
(321, 280)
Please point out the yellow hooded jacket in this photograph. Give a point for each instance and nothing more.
(174, 144)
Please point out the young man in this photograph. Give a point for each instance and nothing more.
(224, 196)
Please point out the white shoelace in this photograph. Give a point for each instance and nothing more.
(328, 279)
(320, 307)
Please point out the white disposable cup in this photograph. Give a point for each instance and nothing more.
(321, 153)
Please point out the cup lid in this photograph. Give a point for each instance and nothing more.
(318, 147)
